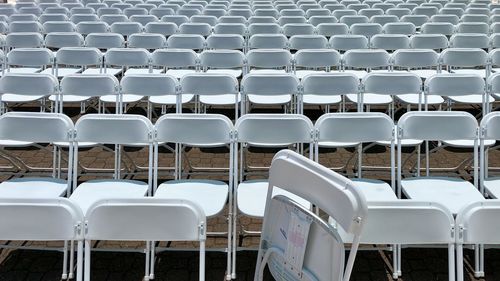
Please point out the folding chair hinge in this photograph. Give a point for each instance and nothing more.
(86, 227)
(72, 135)
(400, 132)
(315, 135)
(358, 220)
(234, 136)
(201, 228)
(461, 231)
(300, 89)
(482, 132)
(361, 88)
(479, 132)
(78, 228)
(452, 231)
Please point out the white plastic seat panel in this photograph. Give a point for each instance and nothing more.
(211, 195)
(63, 71)
(178, 73)
(92, 191)
(330, 144)
(127, 98)
(226, 99)
(171, 99)
(359, 73)
(480, 72)
(452, 193)
(252, 196)
(375, 190)
(404, 143)
(14, 143)
(33, 188)
(371, 99)
(142, 71)
(492, 187)
(20, 98)
(80, 144)
(467, 143)
(302, 73)
(112, 71)
(274, 99)
(70, 98)
(233, 72)
(415, 99)
(470, 99)
(267, 71)
(25, 70)
(321, 99)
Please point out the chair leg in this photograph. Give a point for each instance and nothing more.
(65, 261)
(147, 266)
(79, 261)
(395, 257)
(460, 262)
(400, 272)
(481, 259)
(477, 270)
(71, 260)
(202, 261)
(153, 257)
(451, 262)
(88, 249)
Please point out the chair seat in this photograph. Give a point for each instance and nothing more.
(373, 99)
(70, 98)
(15, 143)
(492, 187)
(416, 99)
(80, 144)
(480, 72)
(142, 71)
(268, 71)
(452, 193)
(359, 73)
(227, 99)
(321, 99)
(24, 70)
(63, 71)
(404, 143)
(127, 98)
(274, 99)
(302, 73)
(337, 144)
(178, 73)
(233, 72)
(171, 99)
(92, 191)
(211, 195)
(252, 197)
(20, 98)
(33, 188)
(112, 71)
(470, 99)
(375, 190)
(467, 143)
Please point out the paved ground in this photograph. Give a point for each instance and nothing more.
(418, 264)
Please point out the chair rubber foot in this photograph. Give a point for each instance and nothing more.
(151, 276)
(64, 276)
(146, 278)
(395, 275)
(233, 276)
(400, 273)
(478, 274)
(71, 276)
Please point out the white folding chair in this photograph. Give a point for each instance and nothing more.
(29, 60)
(320, 254)
(127, 219)
(198, 130)
(44, 219)
(269, 89)
(264, 130)
(313, 61)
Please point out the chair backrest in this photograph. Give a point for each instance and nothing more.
(149, 84)
(24, 40)
(87, 27)
(354, 127)
(105, 40)
(366, 58)
(63, 39)
(464, 57)
(415, 222)
(476, 223)
(127, 57)
(317, 58)
(330, 84)
(30, 57)
(114, 129)
(332, 193)
(437, 125)
(429, 41)
(269, 58)
(186, 41)
(444, 28)
(41, 219)
(35, 126)
(226, 41)
(90, 85)
(194, 129)
(331, 29)
(29, 84)
(268, 41)
(470, 40)
(392, 83)
(414, 58)
(348, 42)
(274, 129)
(454, 85)
(406, 28)
(390, 41)
(126, 28)
(126, 219)
(82, 56)
(163, 28)
(214, 59)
